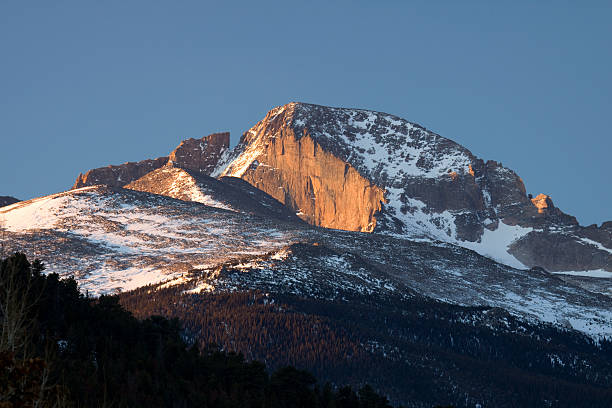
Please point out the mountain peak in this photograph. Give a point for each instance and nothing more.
(361, 170)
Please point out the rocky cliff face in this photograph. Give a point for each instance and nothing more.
(368, 171)
(199, 155)
(119, 175)
(290, 166)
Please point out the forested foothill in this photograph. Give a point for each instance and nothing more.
(60, 348)
(417, 352)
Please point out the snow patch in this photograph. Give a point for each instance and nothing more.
(594, 273)
(495, 244)
(596, 244)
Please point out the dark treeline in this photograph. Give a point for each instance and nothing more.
(418, 352)
(59, 348)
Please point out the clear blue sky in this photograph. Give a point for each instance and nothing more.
(86, 84)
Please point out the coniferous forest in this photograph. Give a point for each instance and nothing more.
(60, 348)
(417, 352)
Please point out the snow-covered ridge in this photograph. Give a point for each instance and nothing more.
(37, 213)
(187, 185)
(251, 147)
(123, 239)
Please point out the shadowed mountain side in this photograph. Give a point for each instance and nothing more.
(229, 193)
(8, 200)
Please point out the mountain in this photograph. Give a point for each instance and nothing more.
(354, 244)
(200, 155)
(368, 171)
(8, 200)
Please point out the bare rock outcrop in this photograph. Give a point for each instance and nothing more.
(119, 175)
(543, 203)
(201, 155)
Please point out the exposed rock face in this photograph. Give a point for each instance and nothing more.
(199, 155)
(320, 187)
(543, 203)
(8, 200)
(367, 171)
(334, 166)
(228, 193)
(119, 175)
(564, 250)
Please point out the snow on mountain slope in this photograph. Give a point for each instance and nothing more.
(599, 273)
(117, 239)
(377, 144)
(344, 266)
(382, 146)
(456, 275)
(313, 271)
(418, 223)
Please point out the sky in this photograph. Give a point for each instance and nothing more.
(86, 84)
